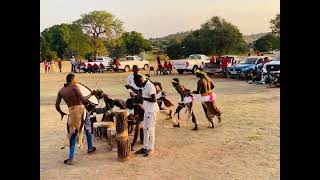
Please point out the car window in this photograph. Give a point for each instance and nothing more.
(248, 61)
(129, 58)
(192, 57)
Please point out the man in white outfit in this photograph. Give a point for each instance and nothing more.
(131, 86)
(151, 109)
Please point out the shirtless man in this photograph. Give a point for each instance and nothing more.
(71, 94)
(207, 97)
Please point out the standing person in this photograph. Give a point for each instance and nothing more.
(207, 97)
(60, 64)
(49, 66)
(72, 62)
(52, 65)
(201, 66)
(72, 96)
(170, 67)
(249, 54)
(150, 114)
(186, 101)
(133, 89)
(45, 63)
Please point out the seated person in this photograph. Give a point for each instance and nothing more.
(136, 118)
(164, 69)
(159, 70)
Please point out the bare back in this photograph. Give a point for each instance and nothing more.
(71, 95)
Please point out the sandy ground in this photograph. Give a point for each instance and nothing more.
(246, 145)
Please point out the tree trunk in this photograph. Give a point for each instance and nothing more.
(122, 135)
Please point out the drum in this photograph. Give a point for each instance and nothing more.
(92, 101)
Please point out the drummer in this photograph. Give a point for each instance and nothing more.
(71, 94)
(131, 86)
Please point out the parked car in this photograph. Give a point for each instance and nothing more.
(191, 64)
(246, 66)
(127, 64)
(102, 62)
(272, 68)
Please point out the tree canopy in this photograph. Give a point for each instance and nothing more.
(275, 25)
(98, 24)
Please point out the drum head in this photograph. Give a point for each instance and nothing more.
(85, 91)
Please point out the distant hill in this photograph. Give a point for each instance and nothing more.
(253, 37)
(163, 41)
(179, 35)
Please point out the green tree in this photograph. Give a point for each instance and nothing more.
(100, 24)
(267, 43)
(220, 36)
(66, 39)
(175, 50)
(275, 25)
(134, 42)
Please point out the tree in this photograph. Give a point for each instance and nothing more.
(221, 36)
(66, 39)
(99, 24)
(267, 43)
(134, 42)
(175, 50)
(275, 25)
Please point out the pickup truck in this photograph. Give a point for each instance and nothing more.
(190, 64)
(127, 64)
(105, 62)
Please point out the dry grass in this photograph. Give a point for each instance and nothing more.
(244, 146)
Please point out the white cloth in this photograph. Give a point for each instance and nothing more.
(211, 97)
(147, 91)
(132, 84)
(187, 100)
(73, 61)
(149, 126)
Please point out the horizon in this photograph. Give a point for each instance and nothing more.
(150, 17)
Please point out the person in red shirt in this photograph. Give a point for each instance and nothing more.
(169, 67)
(212, 60)
(159, 70)
(45, 63)
(225, 62)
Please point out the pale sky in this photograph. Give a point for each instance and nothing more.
(158, 18)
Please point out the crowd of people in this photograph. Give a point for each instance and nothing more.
(164, 69)
(146, 100)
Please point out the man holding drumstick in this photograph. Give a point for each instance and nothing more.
(71, 94)
(150, 114)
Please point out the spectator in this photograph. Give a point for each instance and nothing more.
(249, 54)
(169, 67)
(59, 64)
(49, 67)
(116, 62)
(201, 66)
(45, 63)
(165, 68)
(159, 70)
(265, 60)
(212, 60)
(73, 62)
(158, 59)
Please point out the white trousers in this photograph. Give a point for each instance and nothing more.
(149, 124)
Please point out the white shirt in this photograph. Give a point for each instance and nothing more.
(147, 91)
(131, 82)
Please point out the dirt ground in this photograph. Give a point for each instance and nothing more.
(246, 145)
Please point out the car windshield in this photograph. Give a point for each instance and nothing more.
(248, 61)
(130, 58)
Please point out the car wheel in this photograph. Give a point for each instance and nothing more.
(180, 71)
(194, 69)
(126, 69)
(146, 67)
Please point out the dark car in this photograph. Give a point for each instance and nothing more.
(246, 67)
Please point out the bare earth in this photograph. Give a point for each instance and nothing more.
(246, 145)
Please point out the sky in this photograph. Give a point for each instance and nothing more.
(158, 18)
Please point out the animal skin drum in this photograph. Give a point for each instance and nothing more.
(92, 101)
